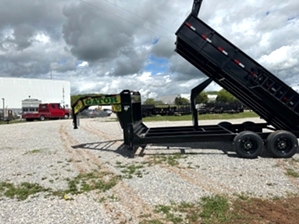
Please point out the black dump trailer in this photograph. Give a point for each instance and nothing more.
(231, 68)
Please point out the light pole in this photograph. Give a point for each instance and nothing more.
(3, 102)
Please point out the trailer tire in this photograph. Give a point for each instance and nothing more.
(248, 144)
(42, 118)
(282, 144)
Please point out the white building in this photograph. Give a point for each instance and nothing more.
(14, 90)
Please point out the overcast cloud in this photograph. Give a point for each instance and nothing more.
(106, 46)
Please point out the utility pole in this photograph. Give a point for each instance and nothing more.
(3, 102)
(63, 96)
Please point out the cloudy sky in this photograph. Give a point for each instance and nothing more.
(106, 46)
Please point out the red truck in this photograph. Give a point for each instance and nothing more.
(47, 111)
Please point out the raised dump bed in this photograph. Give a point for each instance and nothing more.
(236, 72)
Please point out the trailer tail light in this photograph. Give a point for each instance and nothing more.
(206, 38)
(253, 74)
(190, 26)
(239, 63)
(222, 50)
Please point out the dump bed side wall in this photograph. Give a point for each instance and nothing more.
(239, 74)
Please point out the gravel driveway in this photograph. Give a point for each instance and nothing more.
(54, 157)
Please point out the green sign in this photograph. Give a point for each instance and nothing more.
(78, 107)
(103, 100)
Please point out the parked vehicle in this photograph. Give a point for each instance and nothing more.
(97, 113)
(221, 107)
(108, 111)
(160, 110)
(47, 111)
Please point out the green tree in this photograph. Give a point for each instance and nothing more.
(180, 101)
(225, 96)
(149, 101)
(159, 102)
(202, 98)
(212, 92)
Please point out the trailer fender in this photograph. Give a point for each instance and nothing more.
(227, 125)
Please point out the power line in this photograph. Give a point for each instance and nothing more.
(139, 16)
(99, 8)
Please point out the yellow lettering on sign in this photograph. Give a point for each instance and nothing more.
(116, 108)
(102, 100)
(78, 107)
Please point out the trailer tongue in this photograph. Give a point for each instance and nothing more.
(231, 68)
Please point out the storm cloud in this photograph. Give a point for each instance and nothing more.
(106, 46)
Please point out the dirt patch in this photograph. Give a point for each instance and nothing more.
(253, 211)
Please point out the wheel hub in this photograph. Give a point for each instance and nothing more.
(248, 145)
(282, 144)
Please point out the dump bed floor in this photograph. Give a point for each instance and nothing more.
(144, 134)
(179, 134)
(239, 74)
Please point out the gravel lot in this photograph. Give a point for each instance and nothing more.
(52, 153)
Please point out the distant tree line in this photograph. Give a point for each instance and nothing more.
(202, 98)
(222, 96)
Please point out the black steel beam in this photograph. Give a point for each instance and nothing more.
(196, 7)
(194, 93)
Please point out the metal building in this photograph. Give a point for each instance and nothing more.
(14, 90)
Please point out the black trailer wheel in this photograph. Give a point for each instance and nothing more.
(248, 144)
(282, 144)
(42, 118)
